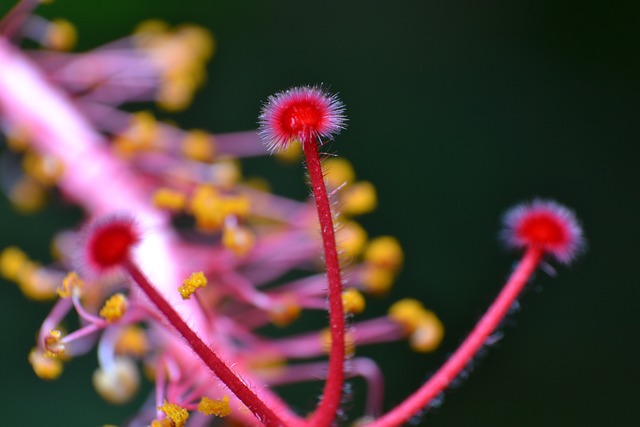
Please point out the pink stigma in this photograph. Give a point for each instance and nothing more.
(300, 114)
(109, 243)
(547, 225)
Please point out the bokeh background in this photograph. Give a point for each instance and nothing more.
(457, 110)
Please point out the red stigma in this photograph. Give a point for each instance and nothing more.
(109, 243)
(300, 114)
(546, 225)
(300, 118)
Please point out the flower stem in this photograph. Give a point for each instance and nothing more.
(332, 393)
(469, 347)
(204, 352)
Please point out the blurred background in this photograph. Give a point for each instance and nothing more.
(457, 110)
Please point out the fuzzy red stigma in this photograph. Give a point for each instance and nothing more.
(300, 114)
(547, 225)
(109, 242)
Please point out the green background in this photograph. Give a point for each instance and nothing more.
(457, 110)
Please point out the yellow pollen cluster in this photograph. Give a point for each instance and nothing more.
(339, 171)
(12, 261)
(210, 208)
(356, 198)
(383, 259)
(359, 199)
(349, 342)
(291, 153)
(132, 340)
(61, 35)
(70, 284)
(162, 423)
(28, 195)
(353, 301)
(53, 343)
(114, 308)
(351, 240)
(238, 239)
(176, 413)
(423, 327)
(195, 281)
(34, 281)
(219, 408)
(44, 169)
(167, 198)
(140, 136)
(198, 145)
(45, 366)
(285, 311)
(180, 56)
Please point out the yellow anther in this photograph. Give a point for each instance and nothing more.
(132, 341)
(195, 281)
(119, 382)
(291, 153)
(61, 35)
(175, 413)
(237, 206)
(238, 239)
(266, 362)
(377, 280)
(226, 173)
(353, 301)
(338, 172)
(70, 284)
(45, 367)
(45, 169)
(167, 198)
(385, 252)
(285, 311)
(207, 207)
(140, 135)
(12, 261)
(199, 40)
(428, 334)
(53, 344)
(162, 423)
(351, 239)
(408, 313)
(349, 342)
(176, 92)
(198, 145)
(359, 198)
(114, 308)
(423, 327)
(27, 195)
(219, 408)
(37, 283)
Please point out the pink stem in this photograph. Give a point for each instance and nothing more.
(469, 347)
(204, 352)
(332, 394)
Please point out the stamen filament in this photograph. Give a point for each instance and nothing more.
(469, 347)
(206, 354)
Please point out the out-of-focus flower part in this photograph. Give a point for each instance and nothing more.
(249, 260)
